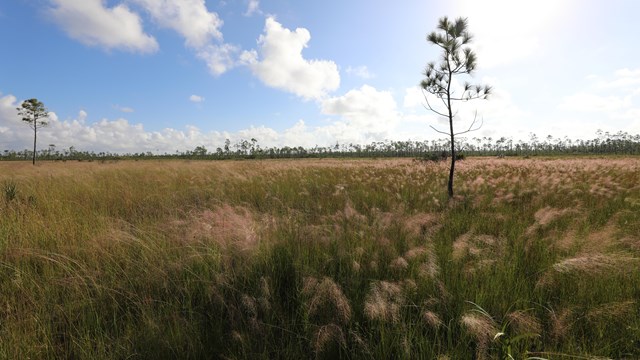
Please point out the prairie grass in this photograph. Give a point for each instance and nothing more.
(320, 259)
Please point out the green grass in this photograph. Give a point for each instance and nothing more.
(357, 259)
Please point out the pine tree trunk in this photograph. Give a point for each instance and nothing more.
(453, 164)
(453, 146)
(35, 134)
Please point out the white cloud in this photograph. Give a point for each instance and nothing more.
(196, 98)
(413, 97)
(610, 103)
(360, 71)
(199, 27)
(627, 73)
(8, 105)
(588, 102)
(122, 136)
(91, 23)
(119, 27)
(279, 63)
(190, 18)
(124, 109)
(219, 58)
(614, 95)
(623, 80)
(360, 116)
(253, 8)
(367, 112)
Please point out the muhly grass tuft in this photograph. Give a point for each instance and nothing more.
(320, 258)
(482, 329)
(384, 302)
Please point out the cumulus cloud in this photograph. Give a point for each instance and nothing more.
(122, 136)
(119, 27)
(199, 27)
(279, 63)
(370, 113)
(219, 58)
(360, 116)
(94, 24)
(196, 98)
(413, 97)
(189, 18)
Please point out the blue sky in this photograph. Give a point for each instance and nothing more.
(167, 75)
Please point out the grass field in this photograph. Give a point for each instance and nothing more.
(357, 259)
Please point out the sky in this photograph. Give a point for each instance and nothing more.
(170, 75)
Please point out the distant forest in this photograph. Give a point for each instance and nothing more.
(620, 143)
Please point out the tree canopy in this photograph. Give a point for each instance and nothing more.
(34, 113)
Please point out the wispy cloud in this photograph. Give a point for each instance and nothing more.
(360, 71)
(124, 109)
(196, 98)
(253, 8)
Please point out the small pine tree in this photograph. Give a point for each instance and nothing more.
(33, 112)
(457, 60)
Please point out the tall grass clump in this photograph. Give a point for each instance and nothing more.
(320, 259)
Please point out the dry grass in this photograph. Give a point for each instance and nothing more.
(597, 264)
(327, 303)
(482, 329)
(612, 311)
(226, 226)
(523, 322)
(422, 224)
(547, 215)
(384, 302)
(247, 259)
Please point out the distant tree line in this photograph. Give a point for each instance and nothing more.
(604, 143)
